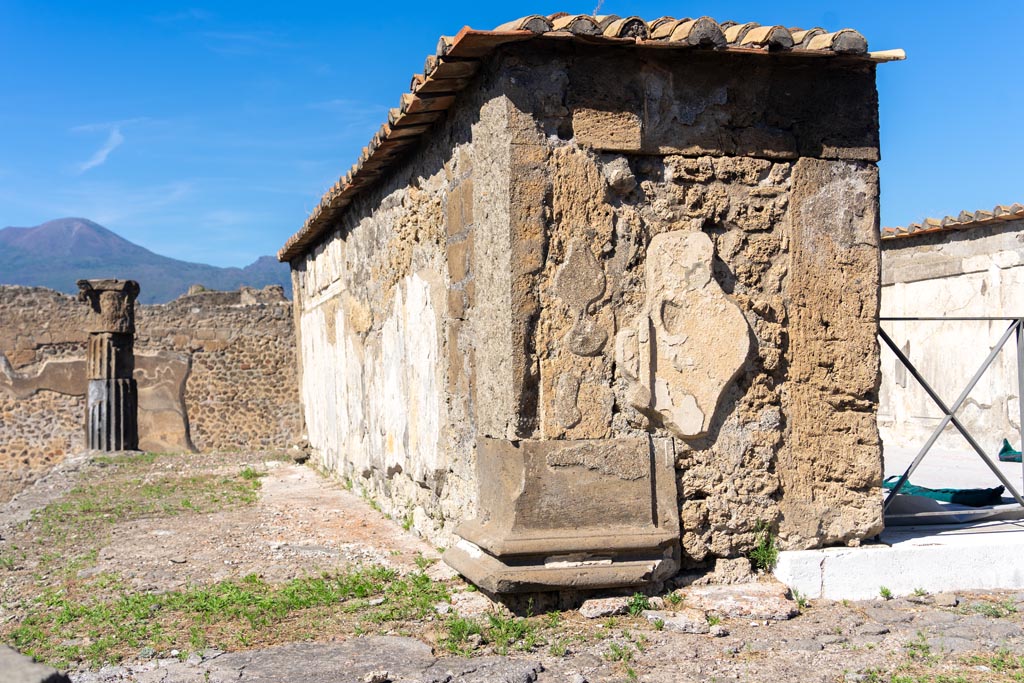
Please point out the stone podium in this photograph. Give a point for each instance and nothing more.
(112, 402)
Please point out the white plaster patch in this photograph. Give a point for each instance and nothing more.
(374, 402)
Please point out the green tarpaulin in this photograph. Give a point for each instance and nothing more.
(969, 497)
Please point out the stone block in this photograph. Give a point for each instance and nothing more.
(456, 304)
(459, 207)
(595, 513)
(611, 131)
(756, 601)
(689, 342)
(597, 608)
(685, 620)
(459, 255)
(18, 668)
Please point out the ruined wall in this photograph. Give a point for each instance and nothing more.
(216, 371)
(381, 307)
(976, 272)
(689, 254)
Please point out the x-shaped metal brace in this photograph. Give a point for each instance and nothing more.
(949, 412)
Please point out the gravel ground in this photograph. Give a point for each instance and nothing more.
(304, 524)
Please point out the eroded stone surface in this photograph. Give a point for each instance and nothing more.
(17, 668)
(690, 341)
(682, 620)
(758, 601)
(595, 608)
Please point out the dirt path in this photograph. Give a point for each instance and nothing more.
(232, 567)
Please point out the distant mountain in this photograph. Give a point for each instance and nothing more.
(58, 253)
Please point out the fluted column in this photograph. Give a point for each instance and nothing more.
(112, 403)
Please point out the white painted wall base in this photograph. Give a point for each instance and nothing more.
(936, 559)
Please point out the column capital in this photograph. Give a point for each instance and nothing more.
(112, 304)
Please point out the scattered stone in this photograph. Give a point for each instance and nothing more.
(442, 608)
(178, 560)
(735, 570)
(762, 601)
(18, 668)
(657, 602)
(718, 631)
(147, 653)
(832, 639)
(440, 571)
(921, 599)
(685, 620)
(375, 601)
(618, 174)
(112, 672)
(469, 604)
(951, 644)
(803, 645)
(377, 677)
(871, 630)
(936, 618)
(194, 659)
(946, 600)
(578, 678)
(887, 615)
(596, 608)
(89, 572)
(760, 646)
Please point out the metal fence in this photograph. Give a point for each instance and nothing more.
(1015, 329)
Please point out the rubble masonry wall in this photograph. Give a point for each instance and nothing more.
(216, 371)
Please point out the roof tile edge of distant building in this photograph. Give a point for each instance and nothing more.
(962, 221)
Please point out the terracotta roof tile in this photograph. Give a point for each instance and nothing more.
(456, 59)
(962, 221)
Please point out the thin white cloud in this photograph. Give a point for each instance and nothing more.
(114, 140)
(191, 14)
(243, 42)
(116, 203)
(107, 125)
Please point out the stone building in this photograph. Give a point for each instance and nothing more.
(970, 265)
(600, 298)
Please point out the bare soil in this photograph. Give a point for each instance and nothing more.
(299, 524)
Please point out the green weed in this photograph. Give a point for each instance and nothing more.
(459, 631)
(226, 615)
(638, 603)
(505, 632)
(800, 600)
(765, 554)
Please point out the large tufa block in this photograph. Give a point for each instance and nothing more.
(691, 340)
(571, 514)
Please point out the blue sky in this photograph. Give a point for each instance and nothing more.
(207, 132)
